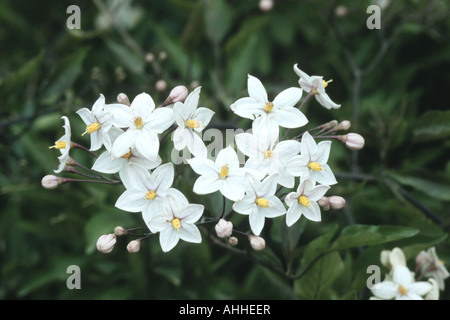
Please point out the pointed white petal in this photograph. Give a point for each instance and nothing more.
(256, 90)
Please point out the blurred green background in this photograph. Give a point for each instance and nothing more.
(393, 84)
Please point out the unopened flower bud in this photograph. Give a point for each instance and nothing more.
(120, 231)
(336, 202)
(123, 99)
(106, 243)
(421, 259)
(161, 85)
(353, 141)
(177, 94)
(341, 11)
(224, 228)
(257, 243)
(233, 241)
(343, 125)
(134, 246)
(324, 202)
(149, 57)
(330, 124)
(162, 55)
(51, 181)
(265, 5)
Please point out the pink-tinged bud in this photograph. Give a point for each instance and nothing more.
(106, 243)
(224, 228)
(149, 57)
(134, 246)
(123, 99)
(324, 202)
(233, 241)
(336, 202)
(353, 141)
(120, 231)
(162, 55)
(421, 259)
(178, 94)
(330, 124)
(265, 5)
(341, 11)
(161, 85)
(257, 243)
(51, 181)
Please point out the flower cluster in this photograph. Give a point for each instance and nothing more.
(280, 177)
(400, 282)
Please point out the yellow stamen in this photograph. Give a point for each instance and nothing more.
(268, 107)
(224, 172)
(402, 290)
(138, 123)
(262, 202)
(126, 155)
(441, 262)
(92, 128)
(59, 145)
(325, 83)
(304, 201)
(176, 223)
(268, 154)
(193, 124)
(150, 195)
(315, 166)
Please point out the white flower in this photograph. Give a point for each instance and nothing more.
(281, 110)
(260, 201)
(312, 161)
(392, 259)
(267, 155)
(402, 286)
(129, 166)
(304, 202)
(191, 120)
(143, 123)
(63, 144)
(98, 123)
(147, 192)
(315, 85)
(177, 222)
(434, 267)
(223, 174)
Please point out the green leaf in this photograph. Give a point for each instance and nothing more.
(316, 283)
(129, 58)
(218, 19)
(433, 185)
(433, 125)
(66, 73)
(366, 235)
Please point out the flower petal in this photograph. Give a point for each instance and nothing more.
(132, 200)
(160, 120)
(168, 239)
(191, 213)
(124, 143)
(142, 105)
(206, 184)
(287, 98)
(257, 220)
(147, 144)
(190, 233)
(256, 90)
(385, 290)
(244, 206)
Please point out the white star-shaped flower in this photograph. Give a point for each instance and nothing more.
(433, 266)
(63, 144)
(260, 201)
(129, 166)
(304, 202)
(98, 122)
(280, 111)
(312, 162)
(223, 174)
(146, 193)
(191, 120)
(143, 123)
(177, 222)
(315, 85)
(402, 286)
(267, 155)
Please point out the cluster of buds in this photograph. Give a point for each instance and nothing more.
(106, 242)
(334, 202)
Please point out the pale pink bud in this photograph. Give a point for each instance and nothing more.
(265, 5)
(336, 202)
(324, 202)
(233, 241)
(163, 55)
(421, 259)
(149, 57)
(161, 85)
(120, 231)
(341, 11)
(106, 243)
(224, 228)
(51, 181)
(353, 141)
(134, 246)
(123, 99)
(177, 94)
(257, 243)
